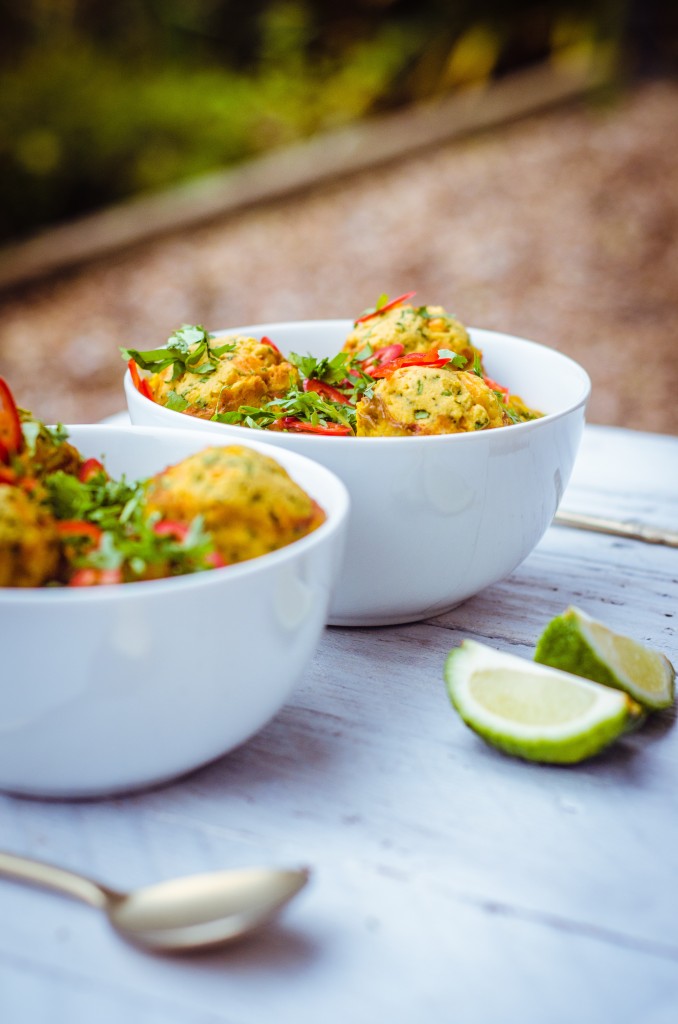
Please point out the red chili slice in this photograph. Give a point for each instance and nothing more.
(333, 429)
(381, 356)
(73, 528)
(430, 358)
(215, 560)
(171, 528)
(10, 425)
(271, 344)
(383, 309)
(94, 577)
(90, 468)
(326, 390)
(498, 387)
(140, 383)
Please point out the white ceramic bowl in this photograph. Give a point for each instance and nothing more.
(105, 689)
(433, 520)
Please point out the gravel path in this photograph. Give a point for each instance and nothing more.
(562, 228)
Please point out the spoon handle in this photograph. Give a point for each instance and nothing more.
(23, 869)
(617, 527)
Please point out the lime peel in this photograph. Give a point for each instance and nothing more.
(533, 711)
(575, 642)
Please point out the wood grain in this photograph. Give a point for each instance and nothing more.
(451, 883)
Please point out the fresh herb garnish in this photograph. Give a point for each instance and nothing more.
(128, 540)
(33, 430)
(139, 549)
(331, 371)
(175, 402)
(454, 357)
(380, 303)
(512, 413)
(98, 500)
(344, 370)
(307, 406)
(188, 350)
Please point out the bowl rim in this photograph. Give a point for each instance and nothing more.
(311, 440)
(146, 589)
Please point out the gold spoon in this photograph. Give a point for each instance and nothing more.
(617, 527)
(195, 912)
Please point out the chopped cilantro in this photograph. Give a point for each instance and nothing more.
(512, 414)
(176, 402)
(307, 406)
(343, 370)
(455, 358)
(33, 430)
(128, 540)
(379, 304)
(188, 350)
(365, 352)
(332, 371)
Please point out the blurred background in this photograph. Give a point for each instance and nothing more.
(555, 220)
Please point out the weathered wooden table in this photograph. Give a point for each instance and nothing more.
(450, 883)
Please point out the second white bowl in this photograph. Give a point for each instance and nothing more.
(433, 520)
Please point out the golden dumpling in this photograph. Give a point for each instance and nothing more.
(429, 400)
(248, 502)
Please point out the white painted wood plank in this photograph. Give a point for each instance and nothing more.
(376, 949)
(633, 472)
(439, 863)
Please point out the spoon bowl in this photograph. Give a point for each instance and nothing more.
(203, 911)
(180, 915)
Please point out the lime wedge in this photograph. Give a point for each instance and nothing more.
(574, 642)
(533, 711)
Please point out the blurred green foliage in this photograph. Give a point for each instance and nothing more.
(99, 102)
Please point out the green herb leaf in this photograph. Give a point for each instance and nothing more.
(188, 350)
(454, 357)
(307, 406)
(176, 402)
(331, 371)
(128, 540)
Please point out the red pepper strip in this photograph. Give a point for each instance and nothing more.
(498, 387)
(69, 528)
(7, 475)
(293, 423)
(215, 560)
(140, 383)
(326, 390)
(430, 358)
(383, 309)
(94, 577)
(381, 356)
(90, 468)
(171, 528)
(267, 341)
(10, 425)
